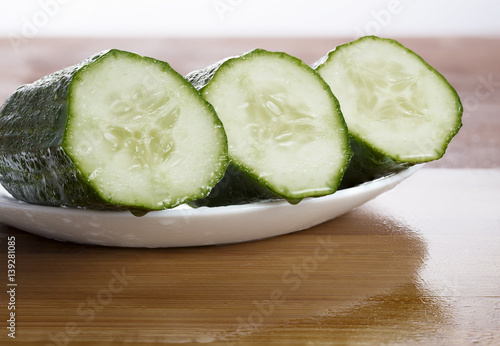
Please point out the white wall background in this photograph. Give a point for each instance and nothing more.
(180, 18)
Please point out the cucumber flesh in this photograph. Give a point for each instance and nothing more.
(392, 100)
(284, 126)
(138, 134)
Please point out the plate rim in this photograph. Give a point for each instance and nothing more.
(7, 200)
(189, 227)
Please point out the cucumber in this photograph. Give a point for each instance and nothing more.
(286, 134)
(118, 131)
(399, 110)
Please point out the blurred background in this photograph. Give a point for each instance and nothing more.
(237, 18)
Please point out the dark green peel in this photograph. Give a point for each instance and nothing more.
(237, 187)
(33, 165)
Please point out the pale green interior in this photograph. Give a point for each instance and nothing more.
(281, 124)
(140, 134)
(391, 99)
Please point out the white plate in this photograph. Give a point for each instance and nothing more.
(186, 226)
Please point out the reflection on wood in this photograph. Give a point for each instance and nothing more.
(221, 292)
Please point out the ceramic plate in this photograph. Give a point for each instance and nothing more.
(184, 226)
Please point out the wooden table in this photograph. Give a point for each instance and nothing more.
(418, 265)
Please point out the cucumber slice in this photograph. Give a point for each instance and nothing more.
(118, 130)
(287, 137)
(399, 110)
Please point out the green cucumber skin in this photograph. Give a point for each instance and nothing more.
(200, 78)
(369, 163)
(236, 187)
(239, 186)
(33, 164)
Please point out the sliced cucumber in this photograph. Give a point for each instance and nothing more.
(118, 130)
(399, 110)
(287, 137)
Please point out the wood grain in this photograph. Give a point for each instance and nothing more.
(418, 265)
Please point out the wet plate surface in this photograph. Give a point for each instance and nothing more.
(186, 226)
